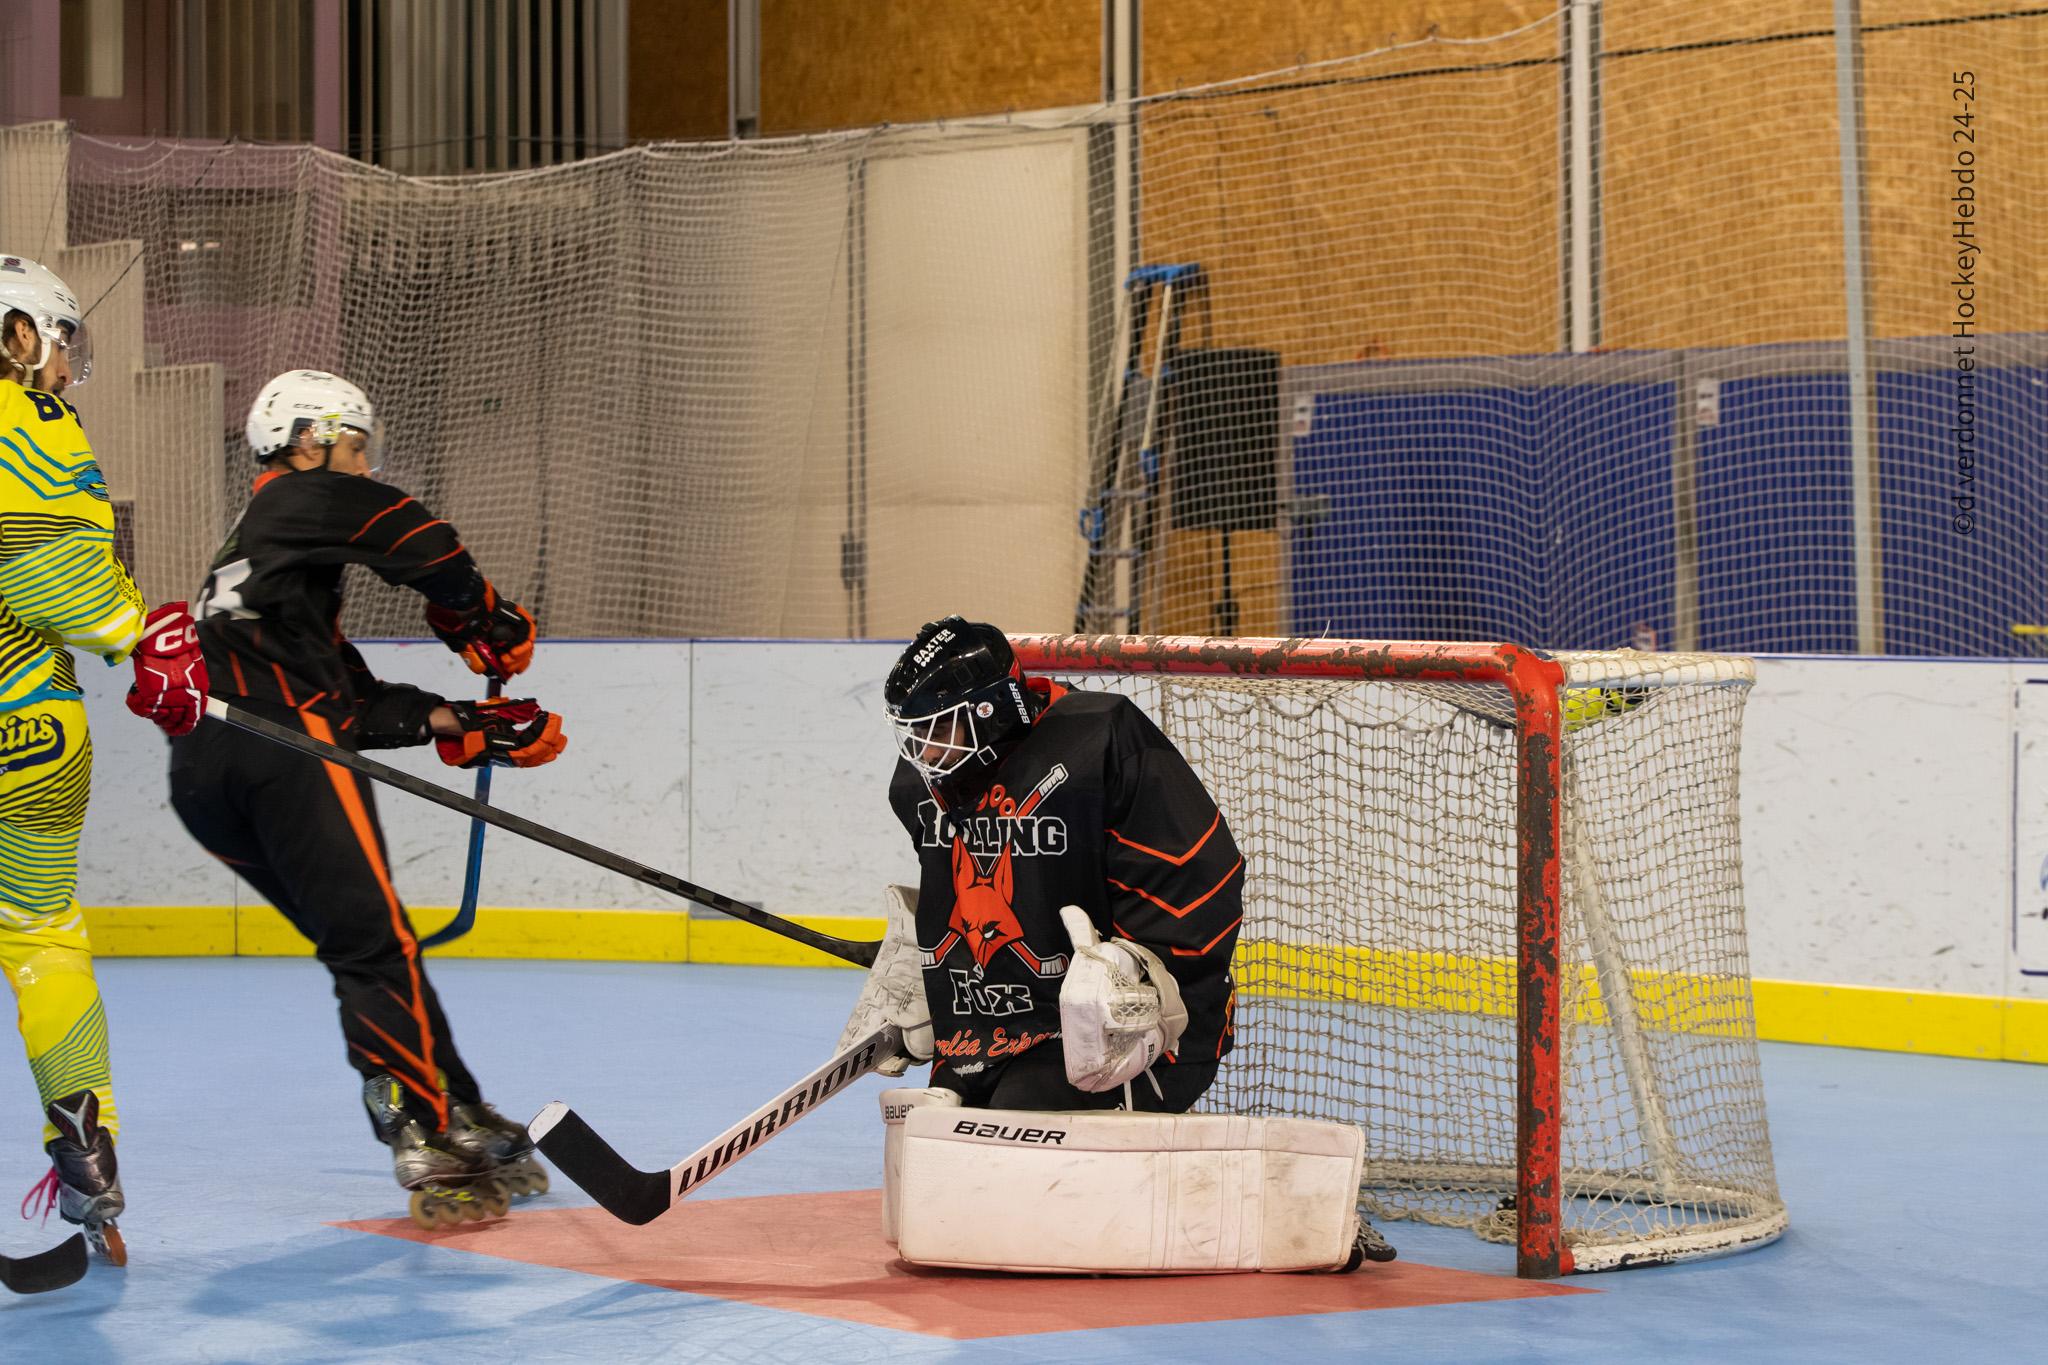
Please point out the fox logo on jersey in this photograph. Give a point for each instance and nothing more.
(982, 910)
(984, 917)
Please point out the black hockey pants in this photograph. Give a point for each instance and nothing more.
(304, 835)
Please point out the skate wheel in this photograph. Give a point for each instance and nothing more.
(106, 1239)
(429, 1211)
(524, 1180)
(494, 1202)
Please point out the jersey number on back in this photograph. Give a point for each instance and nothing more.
(49, 406)
(222, 595)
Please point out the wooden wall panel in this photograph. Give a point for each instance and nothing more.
(850, 63)
(1912, 142)
(1364, 216)
(1722, 209)
(676, 69)
(1194, 42)
(1630, 25)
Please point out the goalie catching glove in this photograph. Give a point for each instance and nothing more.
(170, 671)
(495, 636)
(1120, 1009)
(502, 733)
(894, 990)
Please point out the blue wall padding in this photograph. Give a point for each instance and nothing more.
(1487, 514)
(1546, 514)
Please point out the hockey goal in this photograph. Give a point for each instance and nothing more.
(1494, 916)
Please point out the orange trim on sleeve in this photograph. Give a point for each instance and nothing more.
(379, 517)
(428, 526)
(235, 667)
(284, 688)
(1204, 949)
(366, 836)
(1180, 911)
(443, 559)
(1181, 861)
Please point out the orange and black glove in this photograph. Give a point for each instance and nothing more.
(493, 636)
(501, 733)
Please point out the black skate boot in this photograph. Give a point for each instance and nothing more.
(447, 1183)
(86, 1176)
(498, 1144)
(1368, 1246)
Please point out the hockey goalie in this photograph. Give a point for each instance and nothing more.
(1064, 964)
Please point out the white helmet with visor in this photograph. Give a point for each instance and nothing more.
(52, 309)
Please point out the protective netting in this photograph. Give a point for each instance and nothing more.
(1377, 962)
(1446, 355)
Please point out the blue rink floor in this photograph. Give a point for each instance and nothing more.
(1915, 1187)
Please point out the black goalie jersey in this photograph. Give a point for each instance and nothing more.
(1095, 808)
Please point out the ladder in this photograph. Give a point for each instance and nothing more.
(1120, 523)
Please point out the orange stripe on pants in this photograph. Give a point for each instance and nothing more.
(366, 835)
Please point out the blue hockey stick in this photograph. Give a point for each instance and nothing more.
(472, 876)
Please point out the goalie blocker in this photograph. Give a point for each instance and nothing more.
(1117, 1193)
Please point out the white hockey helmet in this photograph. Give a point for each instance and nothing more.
(299, 400)
(52, 309)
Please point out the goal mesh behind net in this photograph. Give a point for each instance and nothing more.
(837, 386)
(1377, 965)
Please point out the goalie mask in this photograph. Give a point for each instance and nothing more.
(34, 290)
(313, 400)
(957, 700)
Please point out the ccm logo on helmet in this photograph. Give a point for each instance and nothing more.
(1048, 1136)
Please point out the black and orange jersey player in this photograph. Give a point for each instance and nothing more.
(1023, 797)
(304, 834)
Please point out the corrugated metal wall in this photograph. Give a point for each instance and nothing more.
(442, 86)
(247, 69)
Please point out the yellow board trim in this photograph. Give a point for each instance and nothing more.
(1885, 1019)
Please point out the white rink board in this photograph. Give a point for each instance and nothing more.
(1878, 800)
(2030, 833)
(1876, 844)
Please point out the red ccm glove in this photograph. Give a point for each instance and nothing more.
(494, 636)
(170, 672)
(501, 733)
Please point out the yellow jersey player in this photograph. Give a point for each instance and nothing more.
(62, 588)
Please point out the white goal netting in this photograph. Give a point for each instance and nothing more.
(1447, 354)
(1377, 965)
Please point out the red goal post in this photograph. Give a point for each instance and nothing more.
(1636, 1029)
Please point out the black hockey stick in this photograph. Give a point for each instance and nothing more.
(636, 1196)
(850, 950)
(62, 1264)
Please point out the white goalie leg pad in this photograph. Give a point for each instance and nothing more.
(896, 1105)
(1119, 1193)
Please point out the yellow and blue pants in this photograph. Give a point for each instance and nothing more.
(45, 780)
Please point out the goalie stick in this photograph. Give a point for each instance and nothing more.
(62, 1264)
(850, 950)
(638, 1197)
